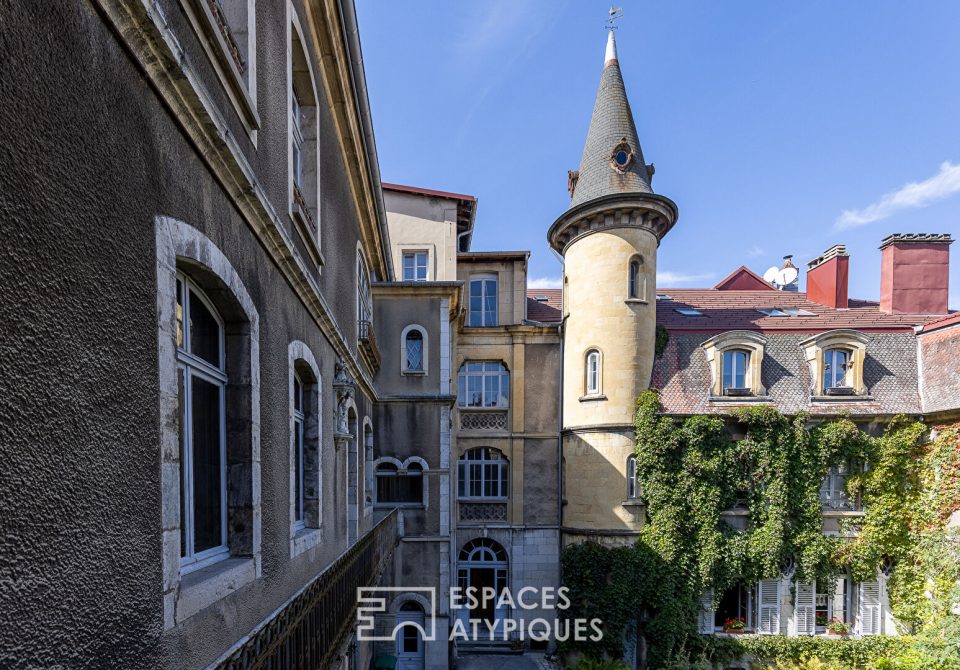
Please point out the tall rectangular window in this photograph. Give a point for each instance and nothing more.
(296, 126)
(415, 265)
(735, 369)
(298, 420)
(483, 301)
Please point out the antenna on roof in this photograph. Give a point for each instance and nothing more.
(615, 13)
(770, 276)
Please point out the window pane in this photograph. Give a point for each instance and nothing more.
(490, 303)
(411, 639)
(490, 391)
(727, 369)
(298, 468)
(408, 269)
(297, 395)
(183, 459)
(504, 390)
(414, 350)
(207, 464)
(204, 332)
(179, 313)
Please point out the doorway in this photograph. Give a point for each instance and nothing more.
(409, 636)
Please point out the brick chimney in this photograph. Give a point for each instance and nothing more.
(914, 273)
(827, 277)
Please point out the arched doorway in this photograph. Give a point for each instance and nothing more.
(409, 636)
(482, 564)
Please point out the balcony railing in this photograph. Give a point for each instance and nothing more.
(368, 344)
(483, 419)
(308, 630)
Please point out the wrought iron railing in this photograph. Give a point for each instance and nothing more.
(368, 344)
(483, 419)
(483, 511)
(306, 632)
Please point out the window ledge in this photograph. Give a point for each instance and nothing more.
(200, 589)
(740, 398)
(305, 227)
(636, 301)
(414, 373)
(633, 502)
(592, 397)
(842, 513)
(304, 539)
(841, 398)
(389, 505)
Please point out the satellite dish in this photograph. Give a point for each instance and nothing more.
(787, 276)
(770, 276)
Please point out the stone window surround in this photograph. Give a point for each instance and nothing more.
(306, 534)
(240, 86)
(405, 248)
(402, 467)
(639, 293)
(747, 340)
(309, 233)
(184, 595)
(850, 340)
(587, 394)
(403, 351)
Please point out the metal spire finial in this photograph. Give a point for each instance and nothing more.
(615, 13)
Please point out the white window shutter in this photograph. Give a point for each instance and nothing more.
(768, 620)
(705, 621)
(805, 611)
(868, 612)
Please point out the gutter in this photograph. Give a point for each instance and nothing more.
(358, 82)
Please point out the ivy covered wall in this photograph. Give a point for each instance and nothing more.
(691, 470)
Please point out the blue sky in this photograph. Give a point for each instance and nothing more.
(776, 127)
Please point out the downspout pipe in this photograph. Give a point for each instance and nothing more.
(358, 82)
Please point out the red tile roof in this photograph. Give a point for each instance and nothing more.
(942, 322)
(737, 310)
(545, 311)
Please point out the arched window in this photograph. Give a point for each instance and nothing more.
(484, 384)
(635, 279)
(483, 550)
(305, 429)
(633, 489)
(836, 368)
(593, 372)
(303, 142)
(202, 379)
(483, 472)
(413, 355)
(401, 486)
(735, 362)
(364, 299)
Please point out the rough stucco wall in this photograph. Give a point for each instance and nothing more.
(541, 390)
(540, 480)
(391, 315)
(80, 577)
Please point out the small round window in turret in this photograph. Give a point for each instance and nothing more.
(622, 156)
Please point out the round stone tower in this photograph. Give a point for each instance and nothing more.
(608, 238)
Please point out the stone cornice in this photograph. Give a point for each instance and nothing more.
(648, 211)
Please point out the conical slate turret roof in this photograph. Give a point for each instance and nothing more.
(612, 160)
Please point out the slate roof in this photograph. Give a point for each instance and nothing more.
(612, 121)
(737, 310)
(682, 376)
(548, 311)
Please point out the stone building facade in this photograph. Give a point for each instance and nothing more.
(245, 376)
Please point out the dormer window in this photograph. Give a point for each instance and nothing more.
(836, 369)
(836, 360)
(735, 360)
(735, 364)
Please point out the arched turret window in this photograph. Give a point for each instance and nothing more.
(593, 372)
(635, 283)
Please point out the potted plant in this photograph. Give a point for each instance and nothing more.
(837, 627)
(734, 625)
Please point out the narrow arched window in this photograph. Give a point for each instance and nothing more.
(735, 362)
(298, 422)
(413, 351)
(202, 377)
(632, 487)
(593, 372)
(635, 281)
(836, 364)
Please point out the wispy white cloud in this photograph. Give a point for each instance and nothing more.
(489, 25)
(545, 282)
(911, 196)
(673, 278)
(755, 251)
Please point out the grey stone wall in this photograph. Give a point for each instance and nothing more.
(90, 157)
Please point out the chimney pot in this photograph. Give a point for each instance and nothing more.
(915, 273)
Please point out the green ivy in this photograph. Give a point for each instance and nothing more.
(691, 470)
(661, 341)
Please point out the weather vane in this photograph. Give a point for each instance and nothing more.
(615, 13)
